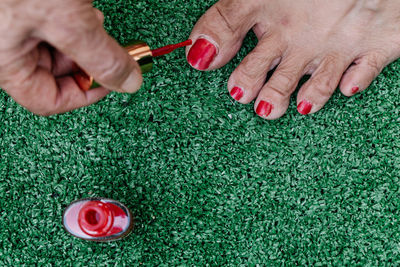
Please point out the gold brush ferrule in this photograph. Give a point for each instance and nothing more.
(138, 50)
(141, 52)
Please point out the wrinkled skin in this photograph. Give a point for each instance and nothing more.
(40, 43)
(337, 42)
(343, 43)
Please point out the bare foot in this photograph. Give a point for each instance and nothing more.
(335, 41)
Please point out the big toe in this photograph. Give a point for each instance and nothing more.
(219, 34)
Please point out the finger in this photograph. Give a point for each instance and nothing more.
(43, 95)
(99, 15)
(62, 64)
(54, 61)
(59, 64)
(45, 58)
(86, 42)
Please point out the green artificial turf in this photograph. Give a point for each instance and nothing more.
(207, 180)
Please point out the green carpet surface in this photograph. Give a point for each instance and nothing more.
(209, 183)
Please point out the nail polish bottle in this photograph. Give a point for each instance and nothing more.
(98, 219)
(140, 52)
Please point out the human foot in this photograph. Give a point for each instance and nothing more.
(335, 41)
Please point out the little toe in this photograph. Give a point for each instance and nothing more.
(273, 99)
(219, 34)
(360, 75)
(249, 77)
(319, 88)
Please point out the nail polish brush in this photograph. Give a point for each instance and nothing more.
(140, 52)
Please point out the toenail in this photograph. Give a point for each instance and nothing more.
(304, 107)
(355, 90)
(264, 109)
(201, 54)
(237, 93)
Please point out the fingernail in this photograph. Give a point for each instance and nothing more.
(237, 93)
(201, 54)
(355, 90)
(264, 109)
(304, 107)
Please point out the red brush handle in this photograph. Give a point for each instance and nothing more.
(169, 48)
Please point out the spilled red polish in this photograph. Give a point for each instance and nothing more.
(355, 90)
(264, 109)
(237, 93)
(304, 107)
(201, 54)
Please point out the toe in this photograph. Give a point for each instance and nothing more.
(319, 88)
(273, 99)
(360, 75)
(247, 80)
(219, 33)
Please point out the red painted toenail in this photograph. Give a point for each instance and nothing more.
(355, 90)
(264, 109)
(304, 107)
(237, 93)
(202, 54)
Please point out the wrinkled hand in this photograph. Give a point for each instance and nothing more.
(40, 43)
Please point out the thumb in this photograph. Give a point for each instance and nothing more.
(75, 30)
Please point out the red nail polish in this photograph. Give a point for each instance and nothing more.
(264, 109)
(304, 107)
(237, 93)
(201, 54)
(355, 90)
(98, 219)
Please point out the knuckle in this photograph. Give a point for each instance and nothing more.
(71, 26)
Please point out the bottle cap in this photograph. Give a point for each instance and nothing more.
(97, 219)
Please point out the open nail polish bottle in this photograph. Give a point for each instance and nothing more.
(98, 219)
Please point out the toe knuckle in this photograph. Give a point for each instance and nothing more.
(278, 90)
(375, 62)
(285, 80)
(225, 9)
(224, 16)
(249, 71)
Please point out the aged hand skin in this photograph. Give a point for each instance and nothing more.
(41, 44)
